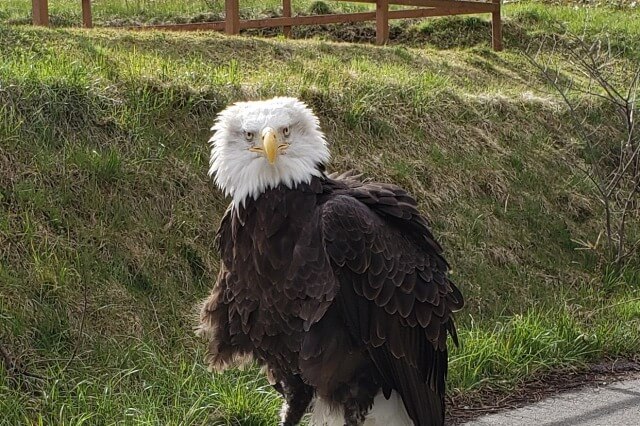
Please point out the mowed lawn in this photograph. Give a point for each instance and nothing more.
(107, 216)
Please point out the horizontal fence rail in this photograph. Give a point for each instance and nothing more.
(232, 23)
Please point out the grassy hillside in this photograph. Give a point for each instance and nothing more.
(107, 217)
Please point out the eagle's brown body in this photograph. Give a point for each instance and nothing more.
(340, 290)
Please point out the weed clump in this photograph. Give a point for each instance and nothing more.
(320, 7)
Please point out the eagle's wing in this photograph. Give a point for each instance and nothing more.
(225, 349)
(394, 290)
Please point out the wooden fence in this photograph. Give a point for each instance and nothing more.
(232, 23)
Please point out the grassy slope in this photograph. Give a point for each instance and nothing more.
(107, 217)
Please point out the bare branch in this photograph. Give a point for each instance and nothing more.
(612, 185)
(623, 222)
(611, 174)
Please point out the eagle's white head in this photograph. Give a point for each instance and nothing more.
(262, 144)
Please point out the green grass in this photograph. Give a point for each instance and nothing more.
(107, 217)
(141, 386)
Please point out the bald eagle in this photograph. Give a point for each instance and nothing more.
(334, 285)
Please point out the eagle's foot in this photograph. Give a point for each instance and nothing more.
(298, 396)
(358, 400)
(354, 413)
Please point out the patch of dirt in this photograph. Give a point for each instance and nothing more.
(463, 408)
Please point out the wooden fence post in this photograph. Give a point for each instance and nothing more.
(232, 17)
(87, 20)
(382, 21)
(496, 27)
(286, 12)
(40, 9)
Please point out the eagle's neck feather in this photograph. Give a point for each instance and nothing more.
(254, 179)
(242, 180)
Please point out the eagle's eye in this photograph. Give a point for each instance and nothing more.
(248, 136)
(285, 131)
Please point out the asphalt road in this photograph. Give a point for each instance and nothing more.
(617, 404)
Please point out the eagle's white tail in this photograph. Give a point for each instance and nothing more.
(385, 412)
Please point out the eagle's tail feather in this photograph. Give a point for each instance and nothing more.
(423, 399)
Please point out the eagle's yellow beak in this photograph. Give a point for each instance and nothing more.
(270, 144)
